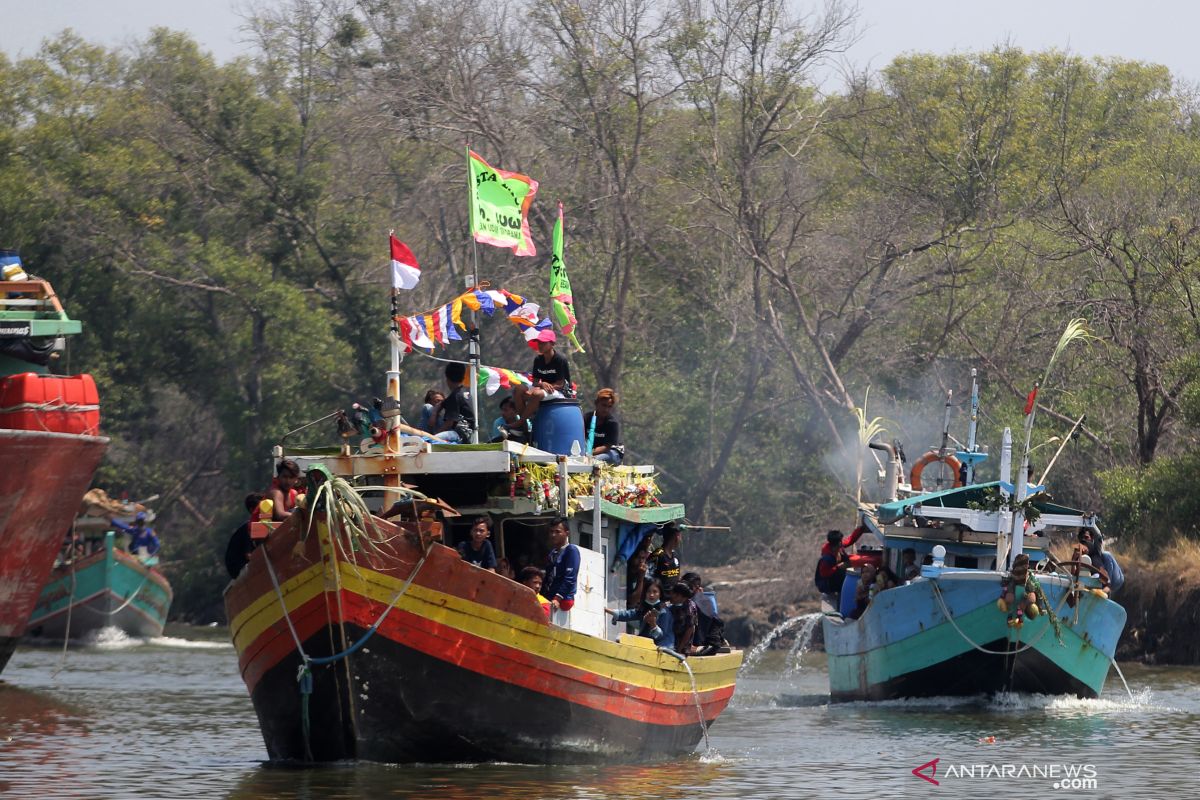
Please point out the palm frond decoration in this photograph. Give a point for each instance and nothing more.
(1076, 331)
(867, 431)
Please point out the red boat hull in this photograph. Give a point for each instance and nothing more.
(43, 476)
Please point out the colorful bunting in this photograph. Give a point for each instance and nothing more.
(500, 202)
(441, 325)
(492, 379)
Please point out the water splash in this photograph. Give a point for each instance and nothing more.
(111, 638)
(696, 697)
(761, 648)
(801, 646)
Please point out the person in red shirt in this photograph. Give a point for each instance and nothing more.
(831, 566)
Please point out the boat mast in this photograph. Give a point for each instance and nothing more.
(472, 282)
(1004, 521)
(971, 447)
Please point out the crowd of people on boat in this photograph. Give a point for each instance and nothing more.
(874, 576)
(670, 607)
(450, 418)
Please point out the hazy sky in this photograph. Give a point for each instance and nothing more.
(1150, 30)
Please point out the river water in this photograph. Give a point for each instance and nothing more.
(170, 718)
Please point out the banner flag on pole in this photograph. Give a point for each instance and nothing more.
(562, 308)
(500, 202)
(405, 271)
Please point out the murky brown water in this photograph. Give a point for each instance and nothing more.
(170, 719)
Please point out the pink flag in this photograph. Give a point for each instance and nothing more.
(405, 272)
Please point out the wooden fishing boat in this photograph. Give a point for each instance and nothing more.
(362, 639)
(971, 622)
(102, 586)
(49, 443)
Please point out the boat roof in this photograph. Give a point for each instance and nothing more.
(31, 308)
(962, 497)
(417, 458)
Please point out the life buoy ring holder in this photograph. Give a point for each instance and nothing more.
(949, 460)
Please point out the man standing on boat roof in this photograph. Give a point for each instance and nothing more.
(551, 377)
(140, 535)
(562, 575)
(459, 420)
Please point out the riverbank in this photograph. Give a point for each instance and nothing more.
(1162, 598)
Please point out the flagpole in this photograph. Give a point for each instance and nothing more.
(473, 281)
(392, 479)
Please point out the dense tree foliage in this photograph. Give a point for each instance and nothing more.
(749, 254)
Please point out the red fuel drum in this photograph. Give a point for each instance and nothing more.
(33, 402)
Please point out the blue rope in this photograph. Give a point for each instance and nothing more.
(304, 675)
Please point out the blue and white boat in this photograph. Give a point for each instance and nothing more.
(949, 630)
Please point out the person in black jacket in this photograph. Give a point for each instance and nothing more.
(604, 429)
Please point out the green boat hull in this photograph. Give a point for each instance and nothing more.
(907, 645)
(109, 588)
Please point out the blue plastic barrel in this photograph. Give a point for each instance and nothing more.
(849, 586)
(557, 426)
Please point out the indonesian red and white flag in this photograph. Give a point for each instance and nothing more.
(405, 272)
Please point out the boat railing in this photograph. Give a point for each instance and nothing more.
(29, 299)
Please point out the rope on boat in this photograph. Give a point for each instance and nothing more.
(129, 599)
(62, 660)
(304, 673)
(937, 592)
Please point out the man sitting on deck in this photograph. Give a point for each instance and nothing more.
(459, 420)
(551, 377)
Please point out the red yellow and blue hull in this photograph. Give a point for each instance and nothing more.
(464, 666)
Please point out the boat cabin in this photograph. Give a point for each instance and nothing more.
(523, 490)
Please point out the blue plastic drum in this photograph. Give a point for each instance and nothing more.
(558, 426)
(848, 601)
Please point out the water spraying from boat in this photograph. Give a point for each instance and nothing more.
(695, 694)
(802, 644)
(1122, 676)
(779, 630)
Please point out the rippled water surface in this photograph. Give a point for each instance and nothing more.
(170, 718)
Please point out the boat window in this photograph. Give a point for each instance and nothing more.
(966, 562)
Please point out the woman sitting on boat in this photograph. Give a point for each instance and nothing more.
(654, 614)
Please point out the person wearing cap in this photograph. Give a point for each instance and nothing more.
(140, 535)
(604, 429)
(551, 377)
